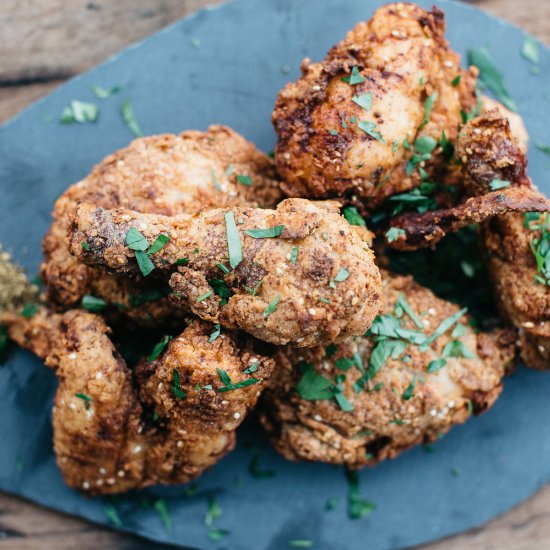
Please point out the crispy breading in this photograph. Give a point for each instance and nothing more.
(403, 404)
(329, 290)
(116, 430)
(422, 230)
(165, 174)
(417, 89)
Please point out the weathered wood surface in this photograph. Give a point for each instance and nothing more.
(44, 42)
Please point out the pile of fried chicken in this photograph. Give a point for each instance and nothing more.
(257, 276)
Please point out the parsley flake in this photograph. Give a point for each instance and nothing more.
(358, 507)
(300, 543)
(91, 303)
(79, 111)
(29, 310)
(272, 306)
(85, 246)
(456, 81)
(228, 385)
(393, 233)
(162, 510)
(159, 348)
(436, 364)
(497, 184)
(530, 50)
(130, 118)
(233, 240)
(408, 393)
(355, 77)
(244, 180)
(353, 217)
(363, 100)
(342, 275)
(294, 254)
(267, 233)
(104, 93)
(313, 386)
(176, 385)
(215, 180)
(112, 515)
(428, 106)
(215, 334)
(369, 128)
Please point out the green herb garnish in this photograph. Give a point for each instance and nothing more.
(215, 334)
(490, 76)
(159, 348)
(162, 509)
(176, 385)
(428, 106)
(130, 118)
(104, 93)
(353, 217)
(272, 307)
(215, 180)
(85, 246)
(358, 507)
(408, 393)
(393, 233)
(244, 180)
(530, 50)
(355, 77)
(497, 184)
(79, 111)
(91, 303)
(456, 81)
(436, 364)
(363, 100)
(267, 233)
(294, 254)
(112, 515)
(29, 310)
(300, 543)
(369, 128)
(228, 385)
(233, 240)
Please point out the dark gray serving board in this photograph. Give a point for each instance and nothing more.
(233, 78)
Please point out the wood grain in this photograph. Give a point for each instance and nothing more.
(43, 42)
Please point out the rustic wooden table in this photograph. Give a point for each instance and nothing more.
(43, 43)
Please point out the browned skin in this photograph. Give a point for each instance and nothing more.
(404, 57)
(489, 150)
(383, 423)
(423, 230)
(166, 174)
(326, 245)
(112, 443)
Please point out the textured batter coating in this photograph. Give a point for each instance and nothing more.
(403, 403)
(315, 282)
(402, 84)
(110, 437)
(166, 174)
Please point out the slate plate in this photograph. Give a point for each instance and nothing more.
(233, 78)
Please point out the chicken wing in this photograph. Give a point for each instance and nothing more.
(354, 123)
(419, 371)
(299, 274)
(166, 174)
(174, 416)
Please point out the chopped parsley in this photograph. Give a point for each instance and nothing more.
(300, 543)
(355, 77)
(456, 81)
(445, 325)
(544, 148)
(342, 275)
(272, 306)
(229, 170)
(358, 507)
(228, 385)
(267, 233)
(353, 217)
(162, 510)
(215, 180)
(294, 254)
(130, 118)
(252, 368)
(436, 364)
(233, 240)
(85, 246)
(409, 391)
(540, 246)
(456, 348)
(159, 348)
(244, 180)
(144, 262)
(254, 290)
(217, 534)
(332, 132)
(204, 296)
(428, 106)
(490, 76)
(80, 112)
(215, 334)
(369, 128)
(176, 385)
(137, 242)
(363, 100)
(86, 398)
(182, 261)
(91, 303)
(530, 50)
(112, 515)
(393, 233)
(222, 267)
(29, 310)
(423, 149)
(104, 93)
(402, 306)
(497, 184)
(213, 512)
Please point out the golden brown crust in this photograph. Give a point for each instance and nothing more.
(404, 58)
(165, 174)
(383, 423)
(110, 437)
(310, 304)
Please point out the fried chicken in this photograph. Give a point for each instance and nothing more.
(421, 370)
(166, 174)
(514, 243)
(166, 422)
(299, 274)
(349, 124)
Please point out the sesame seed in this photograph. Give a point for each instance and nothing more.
(72, 356)
(137, 449)
(312, 311)
(237, 415)
(121, 473)
(528, 324)
(98, 375)
(102, 471)
(318, 418)
(179, 444)
(431, 311)
(72, 406)
(85, 485)
(448, 63)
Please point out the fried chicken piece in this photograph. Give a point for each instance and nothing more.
(310, 279)
(373, 397)
(110, 437)
(165, 174)
(489, 151)
(402, 83)
(423, 230)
